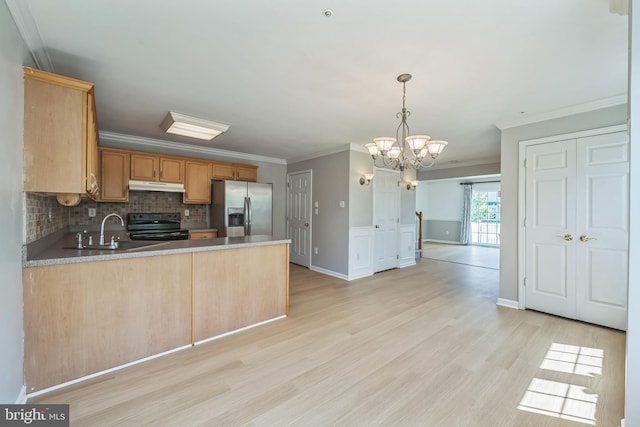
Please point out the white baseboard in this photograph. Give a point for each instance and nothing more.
(329, 272)
(235, 331)
(407, 263)
(509, 303)
(106, 371)
(450, 242)
(359, 275)
(22, 397)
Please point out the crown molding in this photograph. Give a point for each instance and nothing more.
(28, 29)
(321, 153)
(562, 112)
(142, 143)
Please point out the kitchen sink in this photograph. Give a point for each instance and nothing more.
(126, 245)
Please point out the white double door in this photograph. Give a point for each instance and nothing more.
(577, 228)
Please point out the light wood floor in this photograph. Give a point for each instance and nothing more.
(479, 256)
(419, 346)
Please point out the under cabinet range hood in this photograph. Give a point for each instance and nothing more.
(155, 186)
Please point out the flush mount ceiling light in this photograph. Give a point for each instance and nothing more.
(193, 127)
(404, 151)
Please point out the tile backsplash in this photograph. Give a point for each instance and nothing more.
(39, 224)
(44, 216)
(139, 201)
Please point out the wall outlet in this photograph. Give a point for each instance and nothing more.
(186, 212)
(315, 251)
(92, 212)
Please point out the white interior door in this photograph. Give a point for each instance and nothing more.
(603, 227)
(550, 228)
(577, 228)
(299, 217)
(386, 214)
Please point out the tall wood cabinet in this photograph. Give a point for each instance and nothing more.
(114, 175)
(60, 136)
(197, 183)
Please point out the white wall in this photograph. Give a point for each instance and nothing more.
(440, 200)
(632, 409)
(13, 54)
(509, 180)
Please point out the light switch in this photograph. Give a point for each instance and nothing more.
(341, 204)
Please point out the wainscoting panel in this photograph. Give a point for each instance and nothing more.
(360, 252)
(407, 249)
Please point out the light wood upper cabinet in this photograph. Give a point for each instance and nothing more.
(114, 175)
(234, 171)
(246, 173)
(223, 171)
(60, 136)
(197, 182)
(144, 167)
(171, 170)
(147, 167)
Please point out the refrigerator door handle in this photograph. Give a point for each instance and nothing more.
(250, 216)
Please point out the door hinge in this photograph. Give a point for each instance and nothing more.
(397, 256)
(524, 282)
(398, 220)
(525, 222)
(525, 163)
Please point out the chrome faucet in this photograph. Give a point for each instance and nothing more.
(101, 243)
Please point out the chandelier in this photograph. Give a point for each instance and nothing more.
(404, 151)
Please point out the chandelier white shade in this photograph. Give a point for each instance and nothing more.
(405, 151)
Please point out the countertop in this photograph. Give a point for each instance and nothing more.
(57, 254)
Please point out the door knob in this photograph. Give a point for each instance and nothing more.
(377, 226)
(567, 237)
(306, 224)
(584, 238)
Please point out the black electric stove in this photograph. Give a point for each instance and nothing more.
(155, 226)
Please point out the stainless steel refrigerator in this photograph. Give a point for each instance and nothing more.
(241, 208)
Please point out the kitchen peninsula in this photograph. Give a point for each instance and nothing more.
(88, 311)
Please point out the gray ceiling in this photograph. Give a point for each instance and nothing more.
(291, 82)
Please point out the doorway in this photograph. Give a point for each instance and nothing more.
(299, 217)
(386, 214)
(485, 214)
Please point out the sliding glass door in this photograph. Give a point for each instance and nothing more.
(485, 214)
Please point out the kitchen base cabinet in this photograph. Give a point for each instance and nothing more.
(87, 317)
(239, 287)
